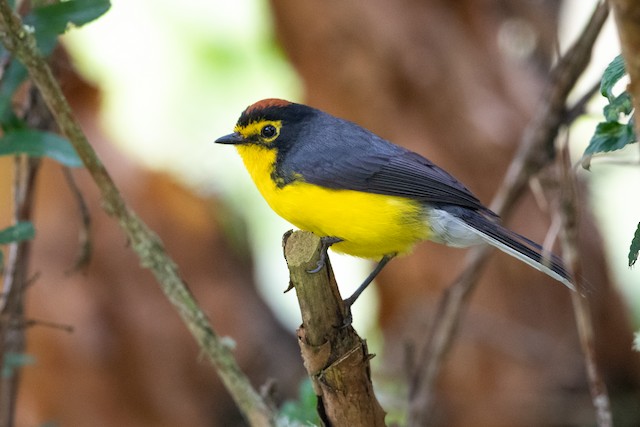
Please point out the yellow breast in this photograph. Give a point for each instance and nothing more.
(370, 225)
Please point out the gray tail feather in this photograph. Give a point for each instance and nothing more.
(519, 247)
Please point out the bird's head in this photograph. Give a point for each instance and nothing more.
(270, 123)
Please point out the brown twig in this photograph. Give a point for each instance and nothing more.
(536, 151)
(20, 42)
(537, 145)
(16, 281)
(440, 337)
(579, 108)
(571, 250)
(12, 338)
(335, 357)
(84, 236)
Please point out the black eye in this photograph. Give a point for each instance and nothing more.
(269, 131)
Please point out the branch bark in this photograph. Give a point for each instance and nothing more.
(335, 357)
(18, 40)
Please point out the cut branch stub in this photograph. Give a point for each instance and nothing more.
(336, 358)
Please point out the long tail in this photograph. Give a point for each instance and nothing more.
(518, 246)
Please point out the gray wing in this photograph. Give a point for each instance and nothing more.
(365, 162)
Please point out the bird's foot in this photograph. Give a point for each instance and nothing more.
(325, 242)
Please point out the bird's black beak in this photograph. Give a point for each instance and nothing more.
(232, 138)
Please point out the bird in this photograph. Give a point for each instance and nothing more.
(363, 195)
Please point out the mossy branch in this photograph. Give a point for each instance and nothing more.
(335, 357)
(19, 40)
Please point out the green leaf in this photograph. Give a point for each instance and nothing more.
(12, 78)
(49, 22)
(635, 247)
(619, 105)
(303, 409)
(17, 233)
(38, 144)
(612, 74)
(54, 19)
(13, 361)
(610, 136)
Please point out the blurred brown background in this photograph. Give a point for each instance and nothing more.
(435, 76)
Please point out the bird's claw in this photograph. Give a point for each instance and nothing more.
(320, 264)
(325, 243)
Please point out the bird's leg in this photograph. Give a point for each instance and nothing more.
(325, 243)
(349, 301)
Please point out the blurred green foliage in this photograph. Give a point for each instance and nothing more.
(617, 131)
(47, 22)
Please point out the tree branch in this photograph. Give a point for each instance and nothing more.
(335, 357)
(12, 317)
(19, 40)
(571, 250)
(12, 338)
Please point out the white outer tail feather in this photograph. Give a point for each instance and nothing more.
(441, 223)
